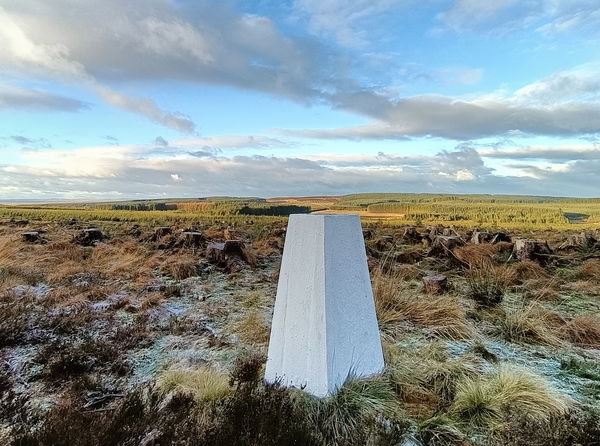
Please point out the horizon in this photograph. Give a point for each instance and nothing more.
(17, 201)
(150, 99)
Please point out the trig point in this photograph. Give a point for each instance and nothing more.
(324, 325)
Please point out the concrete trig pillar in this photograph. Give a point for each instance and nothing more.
(324, 326)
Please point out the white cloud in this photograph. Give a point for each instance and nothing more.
(564, 152)
(340, 18)
(17, 98)
(21, 53)
(549, 17)
(138, 171)
(95, 45)
(230, 142)
(565, 103)
(199, 41)
(582, 83)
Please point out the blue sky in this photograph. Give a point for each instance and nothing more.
(158, 98)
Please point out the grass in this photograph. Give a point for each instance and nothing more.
(440, 430)
(487, 284)
(583, 331)
(252, 328)
(531, 324)
(359, 410)
(442, 386)
(581, 368)
(395, 304)
(180, 266)
(430, 387)
(203, 384)
(485, 401)
(590, 269)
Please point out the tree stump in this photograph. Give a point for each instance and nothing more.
(89, 237)
(436, 284)
(479, 237)
(411, 235)
(500, 237)
(231, 255)
(192, 239)
(384, 242)
(450, 231)
(32, 237)
(531, 249)
(135, 231)
(582, 240)
(160, 232)
(443, 245)
(434, 231)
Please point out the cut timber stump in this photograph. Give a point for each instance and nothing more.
(33, 237)
(324, 326)
(411, 235)
(437, 284)
(583, 240)
(231, 255)
(530, 249)
(443, 245)
(89, 237)
(480, 237)
(191, 239)
(160, 232)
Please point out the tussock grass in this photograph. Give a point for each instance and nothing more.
(252, 328)
(408, 272)
(430, 386)
(590, 269)
(180, 266)
(487, 284)
(353, 415)
(542, 289)
(440, 430)
(394, 304)
(583, 330)
(486, 401)
(478, 256)
(527, 270)
(203, 384)
(119, 259)
(531, 324)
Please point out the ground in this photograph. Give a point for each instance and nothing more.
(151, 337)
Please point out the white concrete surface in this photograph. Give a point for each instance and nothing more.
(324, 325)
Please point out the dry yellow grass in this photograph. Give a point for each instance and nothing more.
(590, 269)
(528, 270)
(532, 324)
(486, 401)
(394, 303)
(477, 256)
(252, 328)
(546, 288)
(583, 330)
(431, 386)
(203, 384)
(180, 266)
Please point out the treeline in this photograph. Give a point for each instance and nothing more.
(135, 206)
(484, 213)
(275, 210)
(215, 208)
(365, 200)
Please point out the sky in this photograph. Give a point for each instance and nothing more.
(138, 99)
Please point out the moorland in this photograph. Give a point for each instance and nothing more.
(147, 323)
